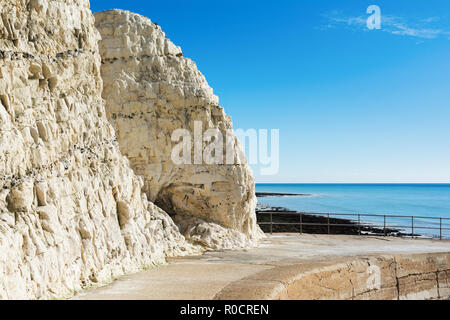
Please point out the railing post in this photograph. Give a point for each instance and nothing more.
(328, 223)
(412, 226)
(359, 224)
(301, 222)
(440, 229)
(384, 228)
(271, 223)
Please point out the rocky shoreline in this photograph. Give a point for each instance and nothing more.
(274, 194)
(288, 221)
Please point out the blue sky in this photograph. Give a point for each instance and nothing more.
(351, 104)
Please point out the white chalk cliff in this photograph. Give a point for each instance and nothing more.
(151, 90)
(73, 211)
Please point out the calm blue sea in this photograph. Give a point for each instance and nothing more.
(425, 200)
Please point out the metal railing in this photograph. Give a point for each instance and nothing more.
(416, 223)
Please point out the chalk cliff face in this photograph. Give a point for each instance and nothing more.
(72, 212)
(151, 90)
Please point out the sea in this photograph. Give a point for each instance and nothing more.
(428, 203)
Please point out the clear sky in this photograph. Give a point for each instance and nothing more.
(351, 104)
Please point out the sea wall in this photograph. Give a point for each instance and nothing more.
(386, 277)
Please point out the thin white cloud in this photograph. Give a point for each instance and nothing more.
(430, 19)
(424, 28)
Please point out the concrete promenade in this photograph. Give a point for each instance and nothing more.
(232, 275)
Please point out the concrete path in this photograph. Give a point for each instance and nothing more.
(203, 277)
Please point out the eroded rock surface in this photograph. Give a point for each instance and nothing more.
(72, 213)
(151, 90)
